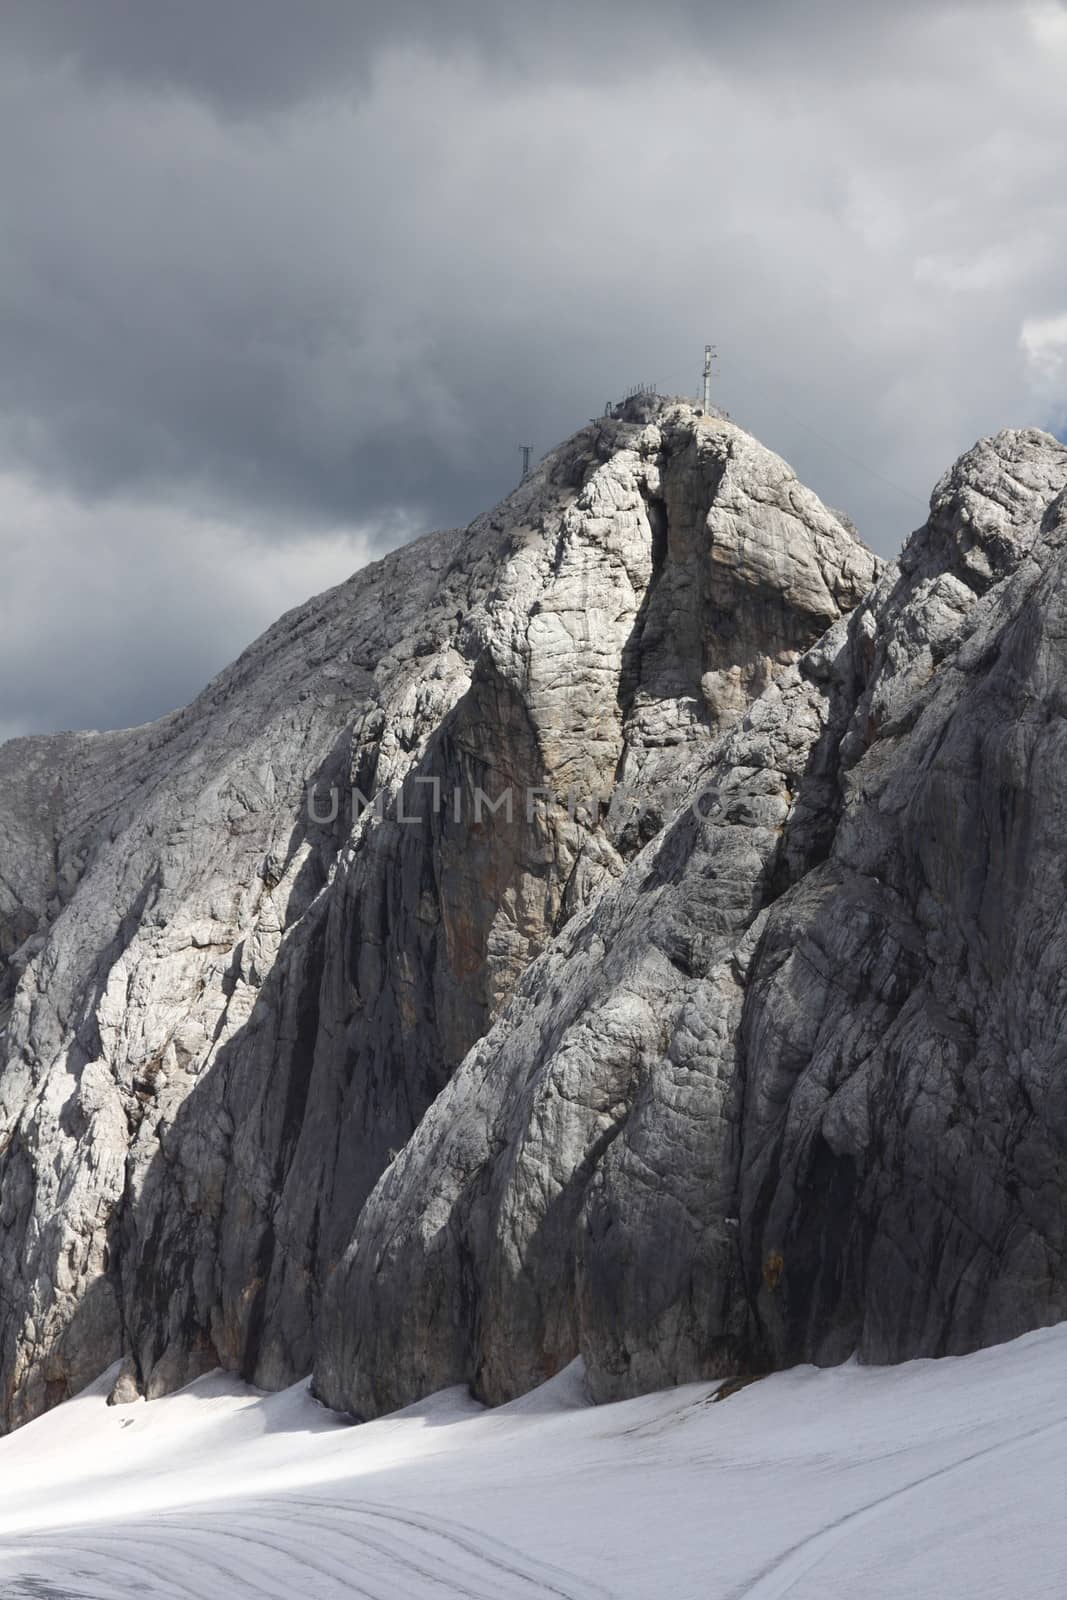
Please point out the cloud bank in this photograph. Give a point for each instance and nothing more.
(281, 285)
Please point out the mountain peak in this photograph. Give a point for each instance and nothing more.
(272, 968)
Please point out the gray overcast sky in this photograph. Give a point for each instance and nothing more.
(282, 284)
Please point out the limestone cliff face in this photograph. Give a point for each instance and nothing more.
(224, 1012)
(794, 1084)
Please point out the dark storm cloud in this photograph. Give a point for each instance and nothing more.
(249, 55)
(280, 283)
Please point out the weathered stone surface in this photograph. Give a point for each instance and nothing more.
(794, 1085)
(223, 1016)
(126, 1390)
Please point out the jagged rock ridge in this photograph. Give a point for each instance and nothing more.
(223, 1012)
(794, 1086)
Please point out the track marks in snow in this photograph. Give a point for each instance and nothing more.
(139, 1561)
(786, 1571)
(271, 1548)
(503, 1559)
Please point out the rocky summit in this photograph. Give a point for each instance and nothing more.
(633, 926)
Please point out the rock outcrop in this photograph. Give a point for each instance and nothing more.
(794, 1085)
(224, 1010)
(631, 927)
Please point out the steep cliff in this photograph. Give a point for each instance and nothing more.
(794, 1086)
(224, 1010)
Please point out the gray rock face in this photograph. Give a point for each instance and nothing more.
(223, 1013)
(794, 1085)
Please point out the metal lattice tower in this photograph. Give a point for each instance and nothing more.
(526, 452)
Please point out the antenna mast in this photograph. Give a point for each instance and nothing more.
(526, 452)
(710, 355)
